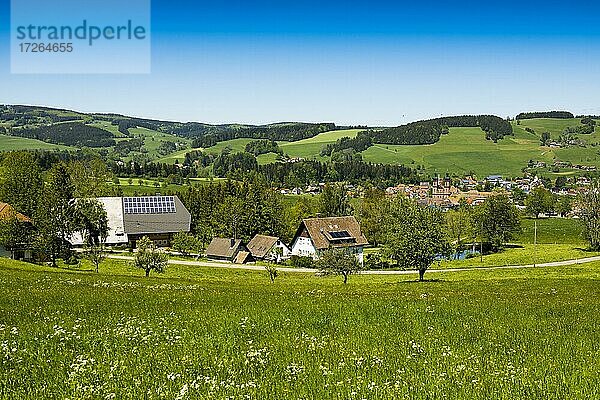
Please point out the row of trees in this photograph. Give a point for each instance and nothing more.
(361, 142)
(412, 235)
(209, 135)
(546, 114)
(263, 146)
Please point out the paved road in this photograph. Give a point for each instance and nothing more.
(409, 272)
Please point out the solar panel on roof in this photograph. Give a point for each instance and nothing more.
(149, 205)
(340, 234)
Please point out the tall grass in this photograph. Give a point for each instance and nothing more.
(232, 334)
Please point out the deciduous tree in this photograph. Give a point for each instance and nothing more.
(334, 201)
(20, 182)
(496, 221)
(415, 235)
(338, 262)
(539, 201)
(588, 204)
(149, 257)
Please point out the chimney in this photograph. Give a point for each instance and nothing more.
(232, 243)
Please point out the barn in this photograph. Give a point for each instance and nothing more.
(131, 218)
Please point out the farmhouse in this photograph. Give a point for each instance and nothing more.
(316, 235)
(17, 251)
(269, 248)
(228, 249)
(131, 218)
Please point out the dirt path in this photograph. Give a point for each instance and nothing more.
(251, 267)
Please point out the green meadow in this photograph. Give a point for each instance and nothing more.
(311, 148)
(12, 143)
(223, 334)
(462, 151)
(465, 150)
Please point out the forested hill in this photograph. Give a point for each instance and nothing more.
(429, 131)
(47, 124)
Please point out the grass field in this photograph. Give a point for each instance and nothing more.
(311, 148)
(552, 231)
(523, 254)
(207, 333)
(465, 150)
(12, 143)
(147, 187)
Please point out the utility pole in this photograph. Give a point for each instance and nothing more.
(534, 241)
(481, 244)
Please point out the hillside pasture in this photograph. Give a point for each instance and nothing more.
(217, 333)
(464, 150)
(311, 148)
(13, 143)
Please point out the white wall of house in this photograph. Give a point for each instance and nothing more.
(285, 251)
(304, 247)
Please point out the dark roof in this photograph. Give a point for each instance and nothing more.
(158, 222)
(260, 245)
(222, 247)
(7, 211)
(334, 232)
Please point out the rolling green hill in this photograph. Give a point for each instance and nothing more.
(461, 151)
(11, 143)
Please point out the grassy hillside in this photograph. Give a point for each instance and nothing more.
(8, 143)
(552, 125)
(465, 150)
(216, 333)
(551, 231)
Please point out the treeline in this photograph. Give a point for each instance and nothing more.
(546, 114)
(586, 129)
(495, 128)
(30, 114)
(263, 146)
(68, 134)
(361, 142)
(354, 171)
(415, 133)
(234, 209)
(204, 137)
(159, 170)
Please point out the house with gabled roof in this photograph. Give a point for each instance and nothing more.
(268, 248)
(316, 235)
(228, 249)
(16, 251)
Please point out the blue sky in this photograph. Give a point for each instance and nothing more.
(351, 62)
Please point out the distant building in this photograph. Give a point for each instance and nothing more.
(228, 249)
(316, 235)
(269, 248)
(19, 251)
(131, 218)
